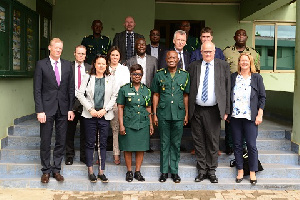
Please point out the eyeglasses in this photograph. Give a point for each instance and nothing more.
(207, 52)
(137, 74)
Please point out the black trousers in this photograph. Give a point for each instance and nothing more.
(70, 150)
(206, 124)
(46, 129)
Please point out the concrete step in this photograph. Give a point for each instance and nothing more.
(186, 171)
(151, 184)
(265, 156)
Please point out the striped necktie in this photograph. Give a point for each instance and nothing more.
(204, 96)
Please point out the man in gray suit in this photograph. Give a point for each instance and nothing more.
(79, 70)
(209, 102)
(126, 39)
(149, 63)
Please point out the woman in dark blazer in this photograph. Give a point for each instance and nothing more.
(98, 95)
(248, 98)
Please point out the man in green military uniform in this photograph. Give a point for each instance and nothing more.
(96, 43)
(192, 43)
(232, 54)
(170, 112)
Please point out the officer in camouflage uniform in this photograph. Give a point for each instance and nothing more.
(96, 43)
(232, 54)
(170, 112)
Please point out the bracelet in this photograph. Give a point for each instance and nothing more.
(153, 113)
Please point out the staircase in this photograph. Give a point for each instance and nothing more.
(20, 165)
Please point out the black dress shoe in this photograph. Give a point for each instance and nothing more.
(163, 177)
(253, 182)
(92, 178)
(200, 177)
(150, 151)
(238, 180)
(129, 176)
(138, 176)
(176, 178)
(103, 178)
(69, 161)
(212, 178)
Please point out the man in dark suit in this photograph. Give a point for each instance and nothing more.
(149, 63)
(209, 102)
(79, 70)
(126, 39)
(179, 41)
(155, 49)
(54, 93)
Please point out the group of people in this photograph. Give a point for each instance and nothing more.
(130, 87)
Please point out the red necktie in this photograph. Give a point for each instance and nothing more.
(79, 76)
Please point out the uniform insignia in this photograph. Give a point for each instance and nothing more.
(131, 93)
(129, 99)
(159, 70)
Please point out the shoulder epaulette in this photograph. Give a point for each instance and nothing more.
(160, 69)
(183, 70)
(226, 48)
(125, 84)
(254, 49)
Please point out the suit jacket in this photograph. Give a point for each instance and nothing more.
(222, 85)
(196, 55)
(120, 41)
(151, 67)
(88, 87)
(186, 58)
(257, 95)
(87, 71)
(161, 51)
(48, 96)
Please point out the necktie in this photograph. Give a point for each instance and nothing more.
(204, 96)
(79, 76)
(57, 74)
(129, 52)
(180, 61)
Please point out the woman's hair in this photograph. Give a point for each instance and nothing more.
(252, 66)
(136, 67)
(113, 48)
(93, 69)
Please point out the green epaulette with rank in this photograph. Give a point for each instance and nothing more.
(160, 69)
(124, 85)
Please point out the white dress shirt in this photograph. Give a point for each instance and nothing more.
(142, 61)
(182, 58)
(58, 66)
(154, 51)
(212, 100)
(122, 75)
(83, 72)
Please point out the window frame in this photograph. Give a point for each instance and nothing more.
(275, 24)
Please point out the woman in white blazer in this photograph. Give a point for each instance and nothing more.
(122, 76)
(98, 95)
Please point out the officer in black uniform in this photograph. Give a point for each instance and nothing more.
(96, 43)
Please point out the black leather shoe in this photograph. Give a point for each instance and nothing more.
(163, 177)
(69, 161)
(229, 150)
(92, 178)
(200, 177)
(253, 182)
(238, 180)
(129, 176)
(138, 176)
(212, 178)
(150, 151)
(176, 178)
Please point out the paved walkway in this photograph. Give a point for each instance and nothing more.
(44, 194)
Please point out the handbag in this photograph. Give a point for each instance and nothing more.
(246, 165)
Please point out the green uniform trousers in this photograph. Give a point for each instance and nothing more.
(170, 138)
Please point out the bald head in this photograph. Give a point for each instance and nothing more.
(208, 51)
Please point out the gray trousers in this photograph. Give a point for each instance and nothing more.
(206, 124)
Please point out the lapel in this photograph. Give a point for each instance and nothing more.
(148, 72)
(92, 86)
(63, 71)
(198, 71)
(217, 73)
(73, 68)
(51, 72)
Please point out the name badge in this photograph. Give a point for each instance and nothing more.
(131, 93)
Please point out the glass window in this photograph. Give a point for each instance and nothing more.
(276, 39)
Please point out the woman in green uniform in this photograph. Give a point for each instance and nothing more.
(134, 107)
